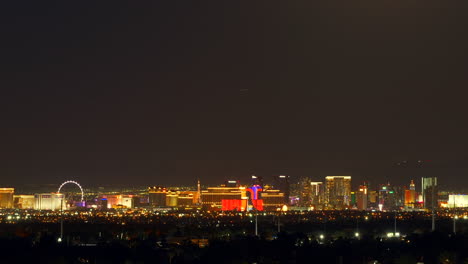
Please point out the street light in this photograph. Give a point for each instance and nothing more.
(454, 224)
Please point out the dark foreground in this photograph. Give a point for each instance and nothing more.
(286, 248)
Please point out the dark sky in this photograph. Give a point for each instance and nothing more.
(164, 92)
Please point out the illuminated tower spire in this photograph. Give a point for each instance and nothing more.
(412, 186)
(199, 201)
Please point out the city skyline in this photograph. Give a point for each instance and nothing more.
(334, 193)
(245, 179)
(234, 132)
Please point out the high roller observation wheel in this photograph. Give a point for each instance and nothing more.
(77, 184)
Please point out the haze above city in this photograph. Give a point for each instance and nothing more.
(157, 94)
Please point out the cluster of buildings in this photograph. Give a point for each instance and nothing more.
(334, 193)
(228, 196)
(43, 201)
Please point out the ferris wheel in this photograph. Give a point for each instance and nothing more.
(75, 183)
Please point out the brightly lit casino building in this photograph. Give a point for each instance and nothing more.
(212, 197)
(109, 201)
(233, 197)
(157, 196)
(337, 192)
(6, 197)
(23, 201)
(48, 201)
(457, 201)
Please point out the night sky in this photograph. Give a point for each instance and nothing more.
(165, 92)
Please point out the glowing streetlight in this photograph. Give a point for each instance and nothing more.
(454, 224)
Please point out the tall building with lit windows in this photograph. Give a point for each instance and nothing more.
(6, 197)
(157, 196)
(257, 180)
(272, 199)
(337, 192)
(361, 198)
(410, 196)
(317, 194)
(282, 184)
(429, 191)
(304, 191)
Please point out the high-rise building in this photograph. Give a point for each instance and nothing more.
(157, 196)
(391, 197)
(397, 197)
(272, 199)
(353, 202)
(171, 198)
(383, 196)
(361, 197)
(282, 184)
(317, 194)
(429, 191)
(257, 180)
(232, 183)
(304, 191)
(373, 199)
(128, 201)
(410, 196)
(338, 192)
(6, 197)
(103, 204)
